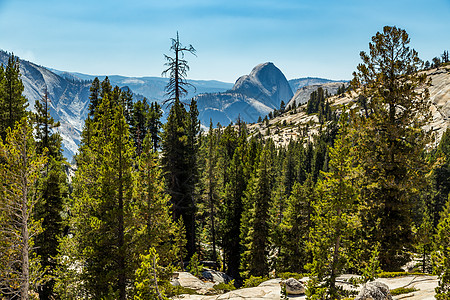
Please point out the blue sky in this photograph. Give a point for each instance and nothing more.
(319, 38)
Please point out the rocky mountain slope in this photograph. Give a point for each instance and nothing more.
(292, 124)
(305, 81)
(252, 96)
(302, 94)
(69, 95)
(68, 99)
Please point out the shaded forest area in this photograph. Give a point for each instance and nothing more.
(366, 194)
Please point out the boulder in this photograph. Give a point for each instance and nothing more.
(216, 276)
(374, 291)
(188, 280)
(293, 286)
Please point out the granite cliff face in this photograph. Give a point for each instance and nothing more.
(302, 95)
(252, 96)
(68, 99)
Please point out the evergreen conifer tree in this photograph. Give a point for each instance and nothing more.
(334, 218)
(94, 96)
(442, 254)
(255, 235)
(102, 197)
(19, 171)
(179, 144)
(53, 186)
(391, 139)
(12, 103)
(296, 227)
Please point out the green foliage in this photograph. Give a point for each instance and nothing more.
(194, 266)
(253, 281)
(319, 104)
(12, 102)
(255, 225)
(440, 178)
(441, 255)
(295, 227)
(179, 163)
(103, 190)
(287, 275)
(371, 269)
(235, 165)
(399, 274)
(53, 184)
(152, 280)
(402, 290)
(335, 219)
(225, 287)
(424, 241)
(391, 141)
(283, 293)
(20, 168)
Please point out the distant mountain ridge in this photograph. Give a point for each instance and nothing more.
(150, 87)
(69, 94)
(252, 95)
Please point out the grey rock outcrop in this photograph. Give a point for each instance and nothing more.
(293, 286)
(188, 280)
(216, 276)
(374, 291)
(302, 94)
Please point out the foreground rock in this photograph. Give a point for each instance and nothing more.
(216, 277)
(187, 280)
(293, 286)
(374, 291)
(268, 290)
(271, 289)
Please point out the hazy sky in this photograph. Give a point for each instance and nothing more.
(320, 38)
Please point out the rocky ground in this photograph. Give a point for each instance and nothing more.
(271, 289)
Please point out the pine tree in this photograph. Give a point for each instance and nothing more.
(177, 68)
(296, 226)
(442, 254)
(126, 99)
(441, 178)
(102, 193)
(19, 172)
(282, 106)
(233, 184)
(391, 139)
(53, 186)
(176, 163)
(255, 235)
(139, 124)
(179, 143)
(335, 219)
(154, 125)
(151, 222)
(12, 103)
(94, 96)
(424, 241)
(211, 185)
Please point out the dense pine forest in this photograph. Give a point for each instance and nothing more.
(368, 192)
